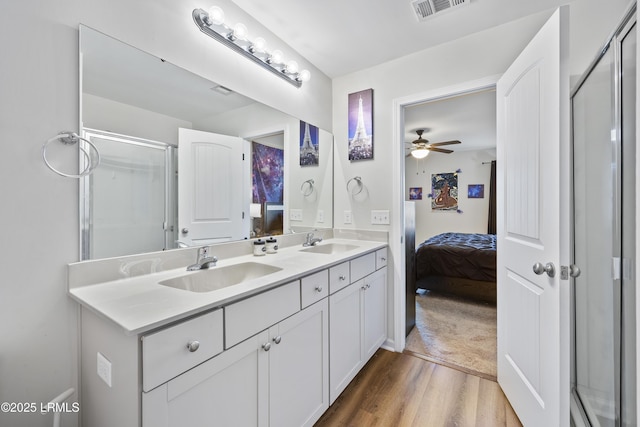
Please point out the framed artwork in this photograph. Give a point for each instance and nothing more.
(267, 173)
(415, 193)
(309, 148)
(476, 191)
(361, 125)
(444, 191)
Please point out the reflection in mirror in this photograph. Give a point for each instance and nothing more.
(186, 161)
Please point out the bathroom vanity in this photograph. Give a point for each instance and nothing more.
(275, 349)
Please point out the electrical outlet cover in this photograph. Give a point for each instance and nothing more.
(104, 369)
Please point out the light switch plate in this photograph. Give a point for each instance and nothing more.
(347, 217)
(320, 216)
(380, 217)
(295, 214)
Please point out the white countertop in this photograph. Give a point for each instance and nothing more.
(140, 304)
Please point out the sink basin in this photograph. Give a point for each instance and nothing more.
(216, 278)
(329, 248)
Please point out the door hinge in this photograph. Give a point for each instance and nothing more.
(615, 268)
(242, 156)
(242, 215)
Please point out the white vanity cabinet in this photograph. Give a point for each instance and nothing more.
(358, 322)
(278, 377)
(277, 358)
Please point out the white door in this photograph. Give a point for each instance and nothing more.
(210, 187)
(533, 227)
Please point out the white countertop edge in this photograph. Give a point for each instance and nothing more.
(139, 304)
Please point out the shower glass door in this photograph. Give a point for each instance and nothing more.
(128, 199)
(603, 113)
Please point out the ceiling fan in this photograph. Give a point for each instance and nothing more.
(420, 148)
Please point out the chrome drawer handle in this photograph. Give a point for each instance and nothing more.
(277, 339)
(383, 259)
(342, 278)
(318, 289)
(193, 345)
(266, 346)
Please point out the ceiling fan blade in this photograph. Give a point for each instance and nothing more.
(435, 144)
(440, 150)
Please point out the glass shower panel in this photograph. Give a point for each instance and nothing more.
(628, 131)
(595, 176)
(127, 198)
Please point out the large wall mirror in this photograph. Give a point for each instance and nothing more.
(186, 162)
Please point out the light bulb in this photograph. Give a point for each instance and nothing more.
(420, 153)
(277, 57)
(240, 31)
(292, 67)
(304, 76)
(216, 15)
(259, 45)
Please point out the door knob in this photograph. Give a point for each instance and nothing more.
(548, 268)
(185, 230)
(193, 346)
(574, 271)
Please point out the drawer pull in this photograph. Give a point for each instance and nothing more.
(277, 339)
(318, 289)
(383, 259)
(193, 346)
(342, 278)
(266, 346)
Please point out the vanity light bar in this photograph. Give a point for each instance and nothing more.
(212, 24)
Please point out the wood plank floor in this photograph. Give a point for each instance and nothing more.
(397, 389)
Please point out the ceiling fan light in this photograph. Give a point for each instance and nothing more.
(420, 153)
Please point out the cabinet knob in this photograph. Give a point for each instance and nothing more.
(193, 345)
(318, 289)
(277, 339)
(266, 346)
(342, 278)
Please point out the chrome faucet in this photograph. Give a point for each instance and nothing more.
(204, 260)
(311, 239)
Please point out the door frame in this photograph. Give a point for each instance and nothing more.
(396, 234)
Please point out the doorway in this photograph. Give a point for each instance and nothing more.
(604, 177)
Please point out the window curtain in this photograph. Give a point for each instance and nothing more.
(492, 226)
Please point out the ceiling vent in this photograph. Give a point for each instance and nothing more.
(426, 8)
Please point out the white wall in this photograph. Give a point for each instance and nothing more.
(40, 97)
(477, 56)
(475, 212)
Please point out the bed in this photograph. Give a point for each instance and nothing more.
(461, 264)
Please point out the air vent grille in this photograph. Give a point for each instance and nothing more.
(426, 8)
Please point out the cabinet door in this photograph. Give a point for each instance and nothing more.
(230, 389)
(375, 312)
(299, 368)
(345, 343)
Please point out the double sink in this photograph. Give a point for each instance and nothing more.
(221, 277)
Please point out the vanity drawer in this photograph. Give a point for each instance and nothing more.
(315, 287)
(252, 315)
(339, 277)
(165, 354)
(381, 258)
(363, 266)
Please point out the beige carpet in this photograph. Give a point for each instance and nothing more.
(455, 332)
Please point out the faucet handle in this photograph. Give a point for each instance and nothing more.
(203, 252)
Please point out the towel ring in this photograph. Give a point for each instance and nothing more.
(358, 180)
(70, 138)
(309, 190)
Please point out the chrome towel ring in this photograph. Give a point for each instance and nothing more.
(359, 185)
(307, 187)
(70, 138)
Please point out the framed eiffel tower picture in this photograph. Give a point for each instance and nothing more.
(309, 147)
(361, 125)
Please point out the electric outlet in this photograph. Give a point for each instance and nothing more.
(347, 217)
(295, 214)
(104, 369)
(380, 217)
(320, 216)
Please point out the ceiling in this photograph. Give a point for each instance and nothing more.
(340, 37)
(469, 118)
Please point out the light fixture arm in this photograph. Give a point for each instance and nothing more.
(201, 18)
